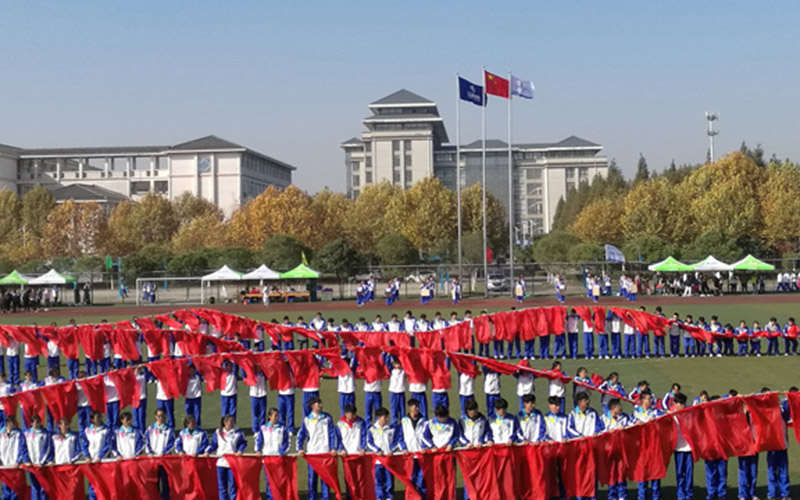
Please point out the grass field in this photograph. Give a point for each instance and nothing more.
(716, 375)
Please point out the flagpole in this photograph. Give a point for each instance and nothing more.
(458, 170)
(510, 192)
(483, 186)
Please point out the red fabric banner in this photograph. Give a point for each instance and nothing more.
(599, 319)
(464, 364)
(32, 404)
(533, 475)
(578, 472)
(359, 476)
(247, 474)
(436, 364)
(370, 364)
(245, 361)
(305, 368)
(191, 478)
(127, 387)
(402, 467)
(188, 318)
(106, 479)
(439, 472)
(458, 337)
(62, 481)
(327, 468)
(585, 312)
(339, 367)
(91, 341)
(123, 342)
(715, 430)
(210, 368)
(173, 375)
(411, 361)
(429, 340)
(139, 479)
(95, 391)
(276, 370)
(648, 449)
(793, 399)
(483, 329)
(477, 469)
(556, 316)
(67, 342)
(282, 477)
(765, 413)
(157, 341)
(400, 339)
(609, 457)
(16, 481)
(147, 322)
(62, 399)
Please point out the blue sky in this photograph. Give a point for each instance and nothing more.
(293, 79)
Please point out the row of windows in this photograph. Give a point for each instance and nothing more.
(406, 145)
(401, 126)
(405, 111)
(263, 166)
(142, 187)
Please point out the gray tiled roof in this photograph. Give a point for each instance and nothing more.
(402, 96)
(82, 151)
(209, 142)
(87, 192)
(353, 141)
(575, 142)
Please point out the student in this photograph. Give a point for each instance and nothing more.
(614, 419)
(466, 390)
(742, 333)
(674, 333)
(258, 400)
(382, 438)
(286, 406)
(755, 340)
(128, 440)
(474, 428)
(140, 413)
(629, 336)
(556, 422)
(790, 332)
(602, 341)
(701, 398)
(588, 340)
(12, 354)
(397, 389)
(642, 413)
(483, 348)
(412, 427)
(556, 387)
(14, 451)
(27, 385)
(560, 287)
(520, 288)
(531, 422)
(613, 385)
(643, 344)
(505, 428)
(227, 440)
(53, 353)
(716, 474)
(515, 342)
(52, 378)
(84, 408)
(668, 400)
(272, 440)
(372, 399)
(165, 403)
(441, 432)
(688, 340)
(774, 330)
(346, 384)
(302, 343)
(351, 433)
(112, 402)
(160, 440)
(615, 322)
(31, 360)
(96, 441)
(318, 429)
(778, 463)
(6, 389)
(573, 323)
(193, 397)
(40, 452)
(582, 420)
(684, 467)
(66, 444)
(491, 386)
(525, 382)
(229, 390)
(192, 440)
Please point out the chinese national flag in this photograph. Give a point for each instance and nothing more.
(496, 85)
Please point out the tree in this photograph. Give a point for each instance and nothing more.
(36, 206)
(554, 247)
(394, 249)
(780, 207)
(649, 248)
(472, 243)
(757, 154)
(472, 216)
(660, 209)
(145, 261)
(234, 257)
(188, 207)
(586, 252)
(282, 252)
(339, 258)
(73, 230)
(366, 221)
(425, 214)
(330, 211)
(292, 215)
(205, 231)
(134, 225)
(190, 264)
(250, 224)
(120, 239)
(642, 172)
(600, 222)
(713, 242)
(90, 263)
(10, 213)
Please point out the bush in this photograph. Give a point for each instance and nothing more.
(283, 252)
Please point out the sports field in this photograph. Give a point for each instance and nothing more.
(716, 375)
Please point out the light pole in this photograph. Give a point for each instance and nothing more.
(711, 117)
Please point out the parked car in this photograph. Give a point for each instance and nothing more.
(498, 283)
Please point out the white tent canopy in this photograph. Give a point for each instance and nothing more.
(262, 273)
(711, 264)
(52, 277)
(224, 273)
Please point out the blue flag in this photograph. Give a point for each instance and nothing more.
(468, 91)
(521, 88)
(613, 254)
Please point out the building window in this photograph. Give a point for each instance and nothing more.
(570, 173)
(534, 173)
(395, 146)
(368, 177)
(583, 174)
(395, 161)
(409, 177)
(161, 187)
(368, 147)
(535, 189)
(408, 161)
(407, 145)
(396, 177)
(536, 226)
(354, 166)
(355, 193)
(356, 180)
(535, 207)
(203, 164)
(368, 162)
(140, 187)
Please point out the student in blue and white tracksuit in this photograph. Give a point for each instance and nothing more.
(272, 440)
(129, 441)
(228, 390)
(560, 287)
(412, 427)
(97, 442)
(556, 422)
(615, 419)
(474, 428)
(160, 440)
(192, 440)
(611, 384)
(674, 333)
(13, 450)
(66, 444)
(351, 433)
(643, 413)
(397, 390)
(520, 289)
(773, 348)
(258, 400)
(112, 402)
(743, 343)
(659, 349)
(27, 385)
(525, 383)
(716, 474)
(531, 421)
(441, 432)
(466, 390)
(615, 322)
(573, 324)
(504, 426)
(755, 342)
(318, 430)
(361, 294)
(588, 340)
(12, 355)
(491, 386)
(40, 452)
(193, 397)
(372, 399)
(684, 466)
(583, 421)
(688, 340)
(227, 440)
(643, 344)
(382, 439)
(456, 291)
(603, 349)
(778, 461)
(6, 389)
(346, 384)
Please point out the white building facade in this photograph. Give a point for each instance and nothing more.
(217, 170)
(406, 141)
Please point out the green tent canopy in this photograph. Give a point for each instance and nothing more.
(14, 279)
(750, 263)
(300, 272)
(670, 264)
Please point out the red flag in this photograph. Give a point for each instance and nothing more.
(157, 341)
(339, 367)
(62, 399)
(533, 475)
(9, 404)
(498, 366)
(793, 399)
(246, 362)
(714, 430)
(400, 339)
(463, 364)
(282, 477)
(765, 412)
(609, 457)
(429, 340)
(599, 319)
(27, 335)
(147, 322)
(496, 85)
(191, 478)
(139, 479)
(370, 363)
(458, 337)
(505, 470)
(210, 368)
(556, 316)
(16, 481)
(439, 472)
(173, 375)
(436, 364)
(578, 472)
(359, 476)
(500, 326)
(91, 341)
(305, 368)
(105, 478)
(483, 329)
(648, 449)
(402, 467)
(276, 370)
(123, 342)
(67, 342)
(411, 361)
(477, 468)
(62, 481)
(247, 474)
(326, 467)
(585, 312)
(32, 404)
(127, 387)
(528, 323)
(597, 380)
